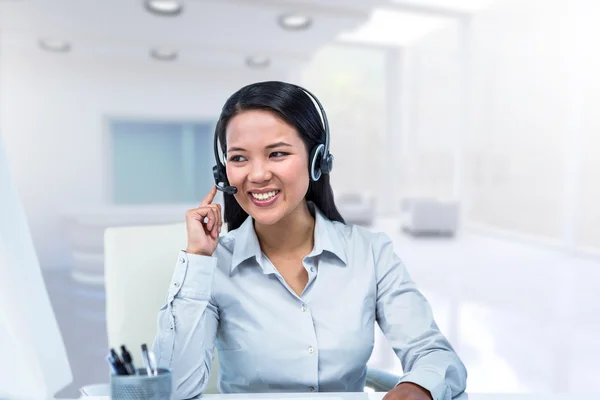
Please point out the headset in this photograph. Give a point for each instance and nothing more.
(320, 159)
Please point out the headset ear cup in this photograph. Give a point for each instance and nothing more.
(216, 174)
(327, 164)
(314, 167)
(219, 175)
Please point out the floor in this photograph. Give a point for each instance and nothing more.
(523, 319)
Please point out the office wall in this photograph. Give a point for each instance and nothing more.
(520, 99)
(534, 88)
(531, 150)
(52, 110)
(588, 217)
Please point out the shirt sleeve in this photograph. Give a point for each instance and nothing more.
(187, 325)
(406, 319)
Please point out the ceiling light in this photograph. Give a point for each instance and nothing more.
(295, 22)
(55, 45)
(164, 7)
(163, 54)
(258, 61)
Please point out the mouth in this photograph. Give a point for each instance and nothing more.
(264, 199)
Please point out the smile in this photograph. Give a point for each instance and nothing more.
(264, 199)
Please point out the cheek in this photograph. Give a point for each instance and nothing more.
(234, 176)
(296, 174)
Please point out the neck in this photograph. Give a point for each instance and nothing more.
(293, 234)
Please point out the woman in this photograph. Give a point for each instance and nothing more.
(290, 294)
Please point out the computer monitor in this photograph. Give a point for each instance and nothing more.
(33, 359)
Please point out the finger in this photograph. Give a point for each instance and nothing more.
(210, 197)
(216, 228)
(219, 217)
(199, 213)
(212, 219)
(205, 216)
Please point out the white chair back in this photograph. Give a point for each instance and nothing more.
(138, 266)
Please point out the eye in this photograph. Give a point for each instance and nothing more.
(278, 154)
(237, 158)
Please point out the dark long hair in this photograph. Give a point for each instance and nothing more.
(295, 107)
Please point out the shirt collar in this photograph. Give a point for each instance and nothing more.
(326, 236)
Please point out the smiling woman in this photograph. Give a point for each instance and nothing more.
(291, 294)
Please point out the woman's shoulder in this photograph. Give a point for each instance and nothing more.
(357, 235)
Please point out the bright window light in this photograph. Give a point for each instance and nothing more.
(396, 28)
(455, 5)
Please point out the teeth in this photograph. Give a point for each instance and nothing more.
(264, 196)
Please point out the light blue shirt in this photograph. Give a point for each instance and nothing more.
(269, 339)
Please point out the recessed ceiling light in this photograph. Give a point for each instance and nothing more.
(164, 7)
(258, 61)
(295, 22)
(163, 54)
(55, 45)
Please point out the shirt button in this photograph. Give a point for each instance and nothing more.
(181, 260)
(311, 350)
(304, 308)
(172, 327)
(311, 388)
(176, 284)
(312, 269)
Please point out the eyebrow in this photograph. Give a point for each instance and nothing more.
(271, 146)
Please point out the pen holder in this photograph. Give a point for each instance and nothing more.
(142, 386)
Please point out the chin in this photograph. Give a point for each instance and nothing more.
(266, 217)
(266, 221)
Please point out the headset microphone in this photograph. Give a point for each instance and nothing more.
(227, 189)
(220, 179)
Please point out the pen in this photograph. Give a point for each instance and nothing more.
(128, 361)
(112, 365)
(153, 366)
(116, 364)
(146, 360)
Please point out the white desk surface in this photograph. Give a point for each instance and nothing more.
(376, 396)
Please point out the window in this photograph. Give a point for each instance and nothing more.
(157, 162)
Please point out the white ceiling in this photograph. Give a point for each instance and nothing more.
(215, 32)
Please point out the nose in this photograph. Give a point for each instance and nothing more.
(259, 172)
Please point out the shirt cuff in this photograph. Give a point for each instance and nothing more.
(193, 276)
(429, 380)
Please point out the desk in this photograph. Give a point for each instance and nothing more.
(375, 396)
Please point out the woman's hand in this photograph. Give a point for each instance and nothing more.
(203, 237)
(408, 391)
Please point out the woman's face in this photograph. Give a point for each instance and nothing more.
(268, 163)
